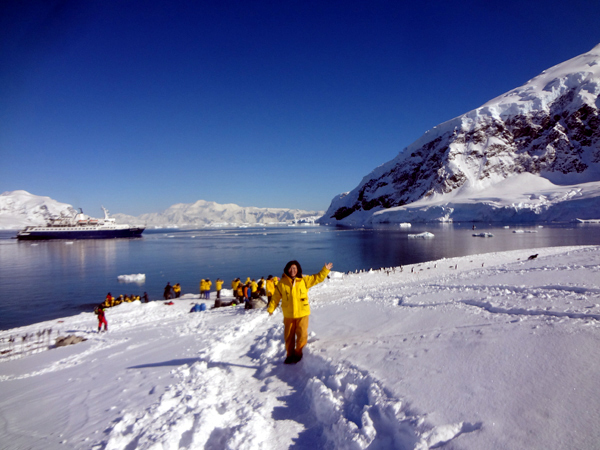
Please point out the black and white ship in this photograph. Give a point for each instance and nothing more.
(80, 226)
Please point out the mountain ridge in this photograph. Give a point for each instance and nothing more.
(20, 208)
(548, 127)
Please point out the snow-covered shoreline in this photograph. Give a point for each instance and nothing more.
(483, 351)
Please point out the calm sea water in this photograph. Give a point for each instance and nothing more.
(49, 279)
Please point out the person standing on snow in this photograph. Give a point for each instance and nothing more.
(101, 317)
(208, 284)
(219, 286)
(168, 293)
(292, 292)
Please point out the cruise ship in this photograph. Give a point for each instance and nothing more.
(80, 226)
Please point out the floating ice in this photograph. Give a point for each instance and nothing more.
(485, 235)
(134, 278)
(424, 235)
(405, 225)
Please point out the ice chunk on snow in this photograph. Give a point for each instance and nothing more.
(134, 278)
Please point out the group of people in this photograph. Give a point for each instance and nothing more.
(242, 291)
(172, 291)
(206, 284)
(251, 289)
(291, 291)
(111, 301)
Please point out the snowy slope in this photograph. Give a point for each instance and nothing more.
(549, 127)
(20, 208)
(478, 352)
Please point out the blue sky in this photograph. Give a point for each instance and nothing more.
(138, 105)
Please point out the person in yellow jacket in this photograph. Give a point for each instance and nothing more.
(292, 292)
(239, 292)
(208, 285)
(234, 285)
(202, 288)
(177, 290)
(218, 286)
(270, 287)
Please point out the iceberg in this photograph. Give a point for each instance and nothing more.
(424, 235)
(134, 278)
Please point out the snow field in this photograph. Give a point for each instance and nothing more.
(213, 406)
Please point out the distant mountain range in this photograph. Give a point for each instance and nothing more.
(20, 208)
(204, 213)
(532, 154)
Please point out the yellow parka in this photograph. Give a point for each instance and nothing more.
(270, 287)
(202, 285)
(293, 294)
(219, 284)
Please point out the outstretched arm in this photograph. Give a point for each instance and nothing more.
(311, 280)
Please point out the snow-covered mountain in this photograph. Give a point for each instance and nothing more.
(204, 213)
(19, 209)
(532, 154)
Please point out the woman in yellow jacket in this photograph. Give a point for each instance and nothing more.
(292, 292)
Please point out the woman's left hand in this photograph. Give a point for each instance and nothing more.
(329, 265)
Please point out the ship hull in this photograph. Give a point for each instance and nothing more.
(133, 232)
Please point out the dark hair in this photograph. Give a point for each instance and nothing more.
(290, 264)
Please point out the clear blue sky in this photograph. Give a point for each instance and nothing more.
(138, 105)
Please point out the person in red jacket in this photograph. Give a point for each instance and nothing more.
(101, 318)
